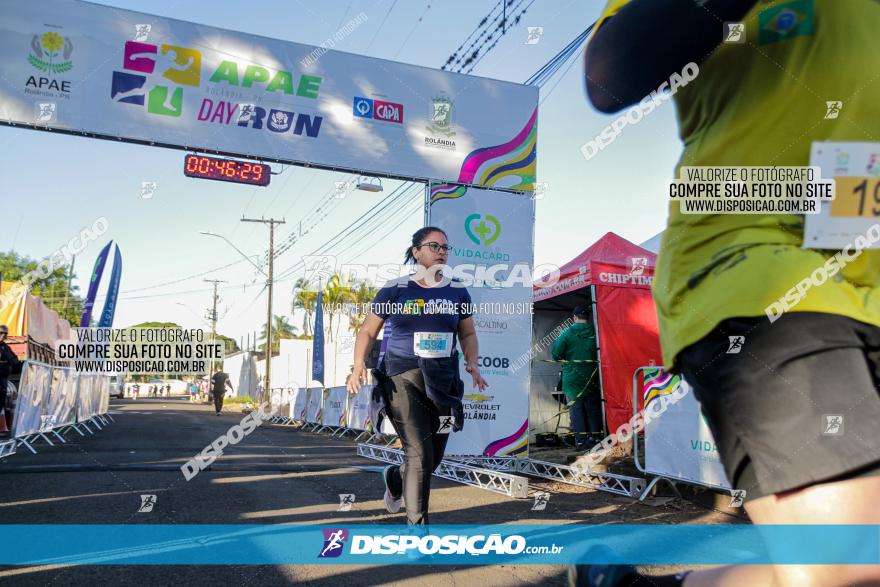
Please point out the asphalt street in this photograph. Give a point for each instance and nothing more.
(275, 475)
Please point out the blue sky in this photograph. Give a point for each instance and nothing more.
(55, 185)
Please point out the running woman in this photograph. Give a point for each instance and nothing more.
(425, 316)
(772, 76)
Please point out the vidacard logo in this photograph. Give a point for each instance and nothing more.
(334, 541)
(153, 76)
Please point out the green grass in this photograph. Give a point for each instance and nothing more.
(242, 399)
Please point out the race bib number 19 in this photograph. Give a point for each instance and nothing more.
(856, 206)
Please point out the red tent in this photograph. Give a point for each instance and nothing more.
(616, 275)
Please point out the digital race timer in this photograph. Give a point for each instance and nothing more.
(226, 170)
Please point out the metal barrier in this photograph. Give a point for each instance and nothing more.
(54, 400)
(572, 475)
(454, 470)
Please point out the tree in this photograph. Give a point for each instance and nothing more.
(363, 294)
(336, 294)
(281, 330)
(306, 300)
(52, 288)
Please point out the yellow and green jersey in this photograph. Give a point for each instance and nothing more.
(758, 103)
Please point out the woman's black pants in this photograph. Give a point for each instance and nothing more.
(416, 419)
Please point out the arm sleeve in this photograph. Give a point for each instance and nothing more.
(625, 58)
(559, 350)
(466, 309)
(380, 305)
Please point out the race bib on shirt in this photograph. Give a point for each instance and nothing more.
(432, 345)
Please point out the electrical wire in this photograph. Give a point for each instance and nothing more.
(381, 24)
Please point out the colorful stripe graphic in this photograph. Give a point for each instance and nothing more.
(514, 161)
(659, 383)
(515, 444)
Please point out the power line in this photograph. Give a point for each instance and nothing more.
(475, 59)
(484, 25)
(412, 30)
(381, 24)
(351, 228)
(546, 71)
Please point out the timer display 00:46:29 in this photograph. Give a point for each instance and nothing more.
(226, 170)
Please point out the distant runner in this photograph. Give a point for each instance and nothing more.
(219, 383)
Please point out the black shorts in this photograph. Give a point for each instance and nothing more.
(796, 406)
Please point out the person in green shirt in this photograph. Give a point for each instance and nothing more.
(580, 381)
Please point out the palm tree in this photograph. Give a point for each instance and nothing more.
(281, 329)
(336, 294)
(362, 296)
(306, 300)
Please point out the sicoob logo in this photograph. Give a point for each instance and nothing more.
(334, 540)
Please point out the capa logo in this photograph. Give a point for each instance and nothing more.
(378, 110)
(334, 540)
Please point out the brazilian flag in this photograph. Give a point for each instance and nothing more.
(786, 20)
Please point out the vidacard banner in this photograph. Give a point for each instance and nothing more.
(678, 442)
(82, 67)
(492, 229)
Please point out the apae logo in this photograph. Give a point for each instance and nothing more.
(50, 54)
(45, 50)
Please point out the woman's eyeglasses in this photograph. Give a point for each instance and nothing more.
(435, 247)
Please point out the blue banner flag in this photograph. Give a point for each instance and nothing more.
(318, 341)
(94, 282)
(109, 312)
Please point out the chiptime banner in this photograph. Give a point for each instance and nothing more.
(112, 73)
(488, 229)
(678, 442)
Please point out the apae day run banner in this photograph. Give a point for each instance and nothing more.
(86, 68)
(491, 235)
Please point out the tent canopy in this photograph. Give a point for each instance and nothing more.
(611, 260)
(26, 315)
(626, 319)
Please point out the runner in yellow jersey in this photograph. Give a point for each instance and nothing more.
(796, 411)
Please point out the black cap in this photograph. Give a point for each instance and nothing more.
(581, 310)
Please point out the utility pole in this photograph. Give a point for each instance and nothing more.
(269, 285)
(212, 316)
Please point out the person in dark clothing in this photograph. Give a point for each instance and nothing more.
(580, 380)
(417, 380)
(219, 383)
(9, 364)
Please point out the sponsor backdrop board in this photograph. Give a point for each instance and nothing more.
(489, 228)
(678, 443)
(83, 67)
(334, 412)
